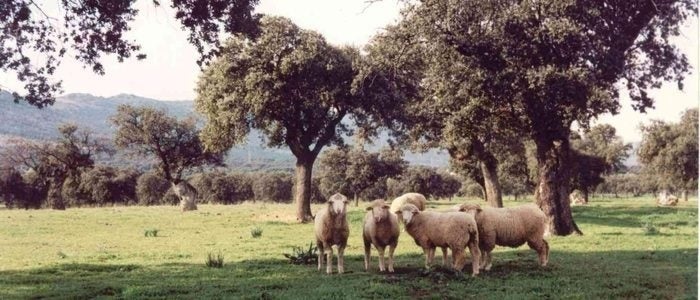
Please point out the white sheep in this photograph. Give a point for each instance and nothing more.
(454, 230)
(512, 227)
(331, 228)
(413, 198)
(381, 229)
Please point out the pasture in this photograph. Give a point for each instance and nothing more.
(631, 249)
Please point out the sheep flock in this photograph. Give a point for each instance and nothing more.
(464, 226)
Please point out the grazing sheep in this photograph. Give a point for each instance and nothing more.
(187, 194)
(666, 199)
(413, 198)
(381, 229)
(331, 228)
(453, 230)
(512, 227)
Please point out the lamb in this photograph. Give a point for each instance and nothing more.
(331, 228)
(454, 230)
(413, 198)
(381, 229)
(510, 227)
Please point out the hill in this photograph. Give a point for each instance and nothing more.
(93, 112)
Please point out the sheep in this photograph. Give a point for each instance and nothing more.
(413, 198)
(454, 230)
(512, 227)
(381, 229)
(187, 194)
(331, 228)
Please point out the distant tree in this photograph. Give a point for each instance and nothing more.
(588, 171)
(92, 29)
(547, 65)
(151, 133)
(602, 141)
(669, 152)
(150, 188)
(11, 187)
(449, 185)
(273, 186)
(358, 172)
(291, 85)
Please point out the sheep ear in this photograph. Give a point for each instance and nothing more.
(385, 206)
(415, 212)
(368, 208)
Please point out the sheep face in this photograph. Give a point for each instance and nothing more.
(337, 204)
(380, 210)
(407, 212)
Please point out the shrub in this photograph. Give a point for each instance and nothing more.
(150, 189)
(299, 256)
(215, 261)
(170, 198)
(649, 229)
(256, 232)
(150, 232)
(275, 187)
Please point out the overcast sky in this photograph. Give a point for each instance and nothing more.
(170, 72)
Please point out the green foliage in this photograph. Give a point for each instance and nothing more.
(669, 152)
(302, 256)
(215, 261)
(150, 189)
(359, 172)
(148, 132)
(256, 232)
(150, 232)
(273, 186)
(92, 30)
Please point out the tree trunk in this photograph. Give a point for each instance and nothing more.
(53, 196)
(302, 193)
(187, 194)
(552, 193)
(684, 194)
(491, 185)
(585, 196)
(357, 200)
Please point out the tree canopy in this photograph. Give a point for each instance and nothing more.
(669, 152)
(536, 67)
(289, 84)
(89, 30)
(175, 144)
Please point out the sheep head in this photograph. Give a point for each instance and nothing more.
(406, 213)
(469, 208)
(379, 209)
(337, 204)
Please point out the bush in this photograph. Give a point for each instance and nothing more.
(150, 232)
(170, 198)
(276, 187)
(256, 232)
(215, 261)
(299, 256)
(151, 189)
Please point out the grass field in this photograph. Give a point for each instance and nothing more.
(631, 249)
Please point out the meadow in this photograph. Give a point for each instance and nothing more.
(630, 249)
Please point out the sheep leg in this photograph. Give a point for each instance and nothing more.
(429, 255)
(458, 256)
(341, 259)
(368, 252)
(391, 258)
(476, 259)
(444, 256)
(329, 260)
(542, 248)
(320, 255)
(381, 258)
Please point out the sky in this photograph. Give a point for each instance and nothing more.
(170, 71)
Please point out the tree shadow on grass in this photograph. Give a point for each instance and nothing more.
(635, 217)
(605, 274)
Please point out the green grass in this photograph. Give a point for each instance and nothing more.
(102, 253)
